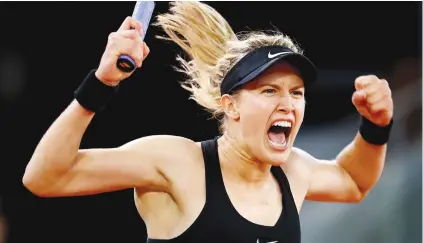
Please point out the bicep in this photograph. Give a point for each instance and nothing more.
(105, 170)
(331, 183)
(328, 181)
(138, 164)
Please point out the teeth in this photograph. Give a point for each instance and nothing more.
(282, 124)
(278, 145)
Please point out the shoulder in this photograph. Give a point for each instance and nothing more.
(303, 163)
(300, 163)
(163, 145)
(309, 160)
(168, 153)
(160, 140)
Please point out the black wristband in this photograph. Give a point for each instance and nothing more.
(93, 94)
(373, 133)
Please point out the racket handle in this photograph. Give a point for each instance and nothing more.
(126, 64)
(143, 11)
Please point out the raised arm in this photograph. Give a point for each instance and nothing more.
(59, 168)
(358, 167)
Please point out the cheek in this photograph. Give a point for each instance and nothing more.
(256, 109)
(254, 115)
(299, 115)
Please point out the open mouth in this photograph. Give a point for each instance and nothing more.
(278, 134)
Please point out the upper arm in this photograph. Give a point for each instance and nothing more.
(142, 163)
(328, 181)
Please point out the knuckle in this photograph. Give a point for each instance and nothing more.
(388, 91)
(136, 35)
(112, 36)
(131, 34)
(357, 80)
(386, 83)
(138, 58)
(375, 108)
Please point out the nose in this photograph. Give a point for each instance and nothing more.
(286, 104)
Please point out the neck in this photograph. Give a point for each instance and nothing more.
(239, 164)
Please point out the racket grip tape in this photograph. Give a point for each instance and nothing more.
(125, 63)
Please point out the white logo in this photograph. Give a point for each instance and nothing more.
(270, 56)
(269, 241)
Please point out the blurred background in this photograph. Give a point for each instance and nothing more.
(47, 48)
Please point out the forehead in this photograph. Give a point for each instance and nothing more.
(280, 74)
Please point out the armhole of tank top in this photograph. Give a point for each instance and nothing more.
(207, 148)
(211, 166)
(286, 187)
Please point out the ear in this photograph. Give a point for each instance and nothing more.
(230, 107)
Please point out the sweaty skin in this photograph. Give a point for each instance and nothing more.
(167, 172)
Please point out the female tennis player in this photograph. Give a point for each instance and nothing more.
(247, 185)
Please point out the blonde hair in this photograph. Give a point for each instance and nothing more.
(213, 48)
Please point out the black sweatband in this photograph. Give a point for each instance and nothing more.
(93, 94)
(373, 133)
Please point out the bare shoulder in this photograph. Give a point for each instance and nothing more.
(168, 142)
(307, 159)
(302, 155)
(180, 161)
(172, 154)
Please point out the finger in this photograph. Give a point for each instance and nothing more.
(377, 97)
(359, 98)
(363, 81)
(129, 34)
(130, 23)
(378, 107)
(146, 50)
(123, 46)
(377, 91)
(364, 111)
(140, 55)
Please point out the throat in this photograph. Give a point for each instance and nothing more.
(237, 164)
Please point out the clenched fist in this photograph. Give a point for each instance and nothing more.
(373, 99)
(127, 40)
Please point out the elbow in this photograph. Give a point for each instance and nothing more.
(34, 184)
(359, 196)
(31, 185)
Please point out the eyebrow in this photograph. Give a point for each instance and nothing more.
(299, 86)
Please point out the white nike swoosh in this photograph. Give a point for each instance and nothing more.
(269, 241)
(270, 55)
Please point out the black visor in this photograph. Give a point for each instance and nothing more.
(259, 60)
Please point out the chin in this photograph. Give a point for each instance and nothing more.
(279, 158)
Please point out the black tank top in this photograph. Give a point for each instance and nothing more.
(219, 222)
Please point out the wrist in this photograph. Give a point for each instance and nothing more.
(104, 80)
(93, 94)
(374, 134)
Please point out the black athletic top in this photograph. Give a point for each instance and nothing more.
(219, 222)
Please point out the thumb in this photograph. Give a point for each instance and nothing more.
(359, 101)
(359, 98)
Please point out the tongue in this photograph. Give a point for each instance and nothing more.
(277, 137)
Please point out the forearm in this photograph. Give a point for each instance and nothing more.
(363, 161)
(56, 152)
